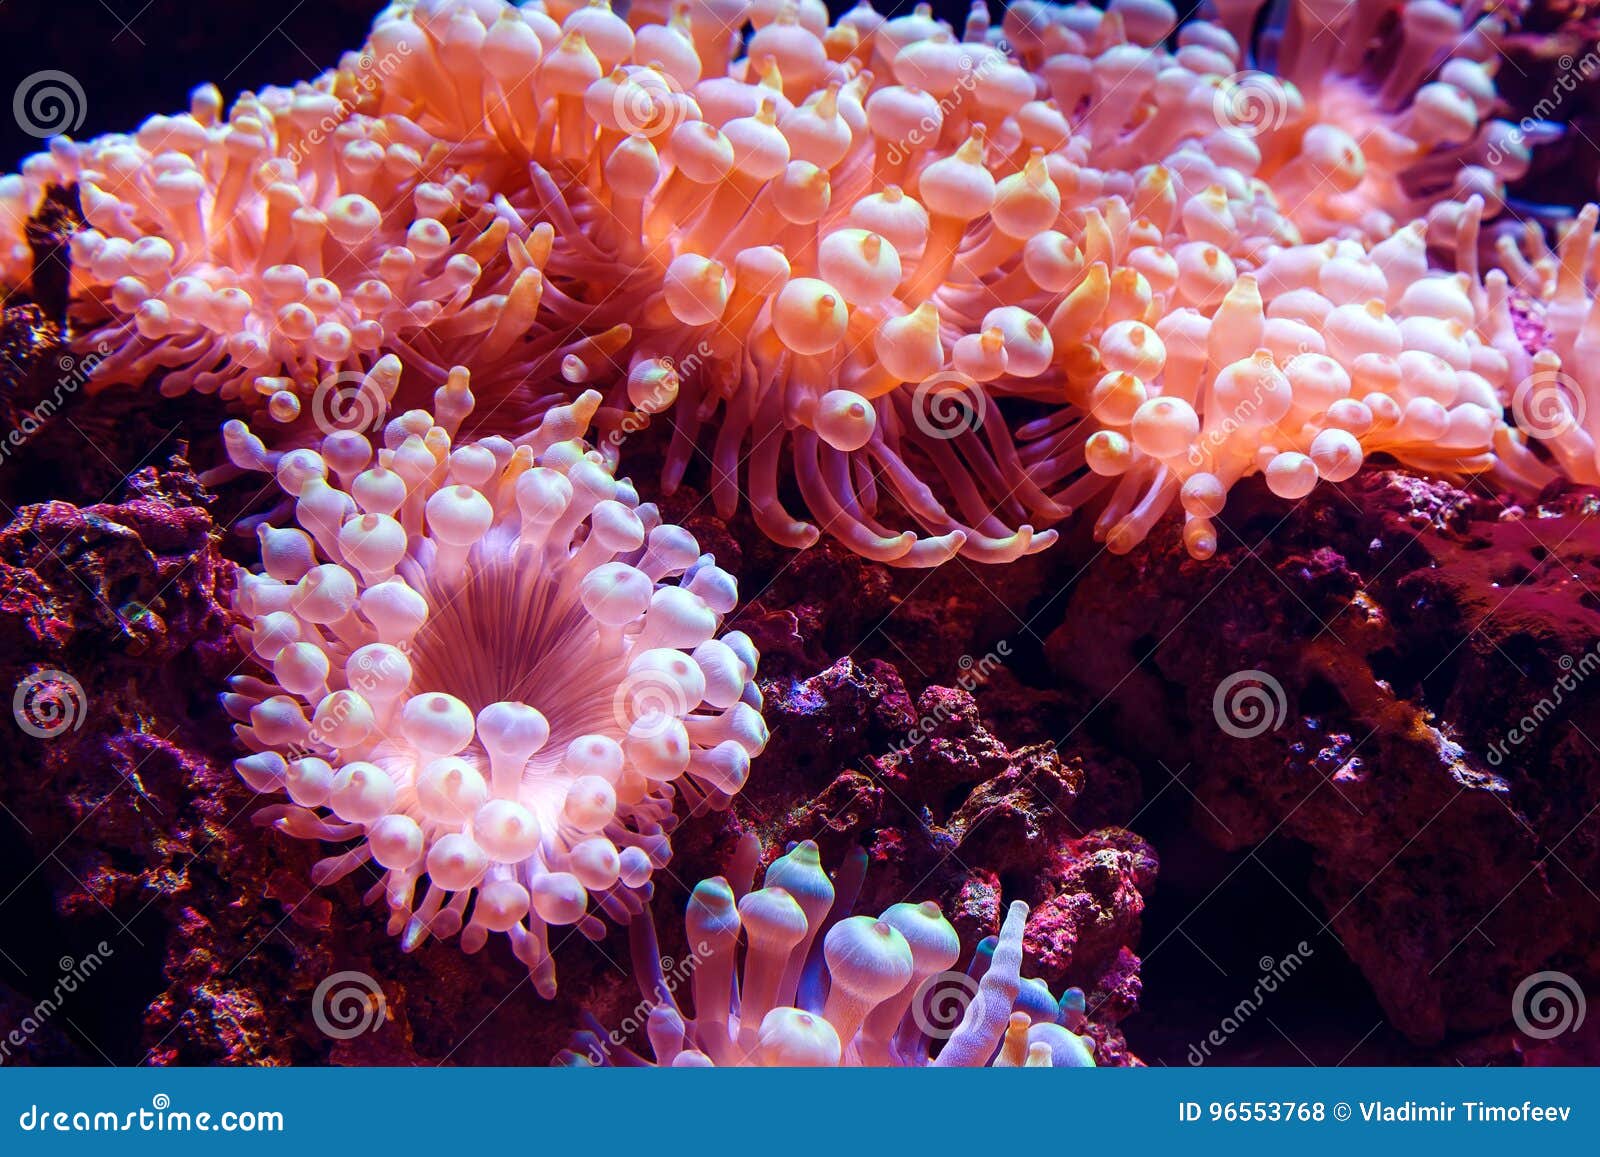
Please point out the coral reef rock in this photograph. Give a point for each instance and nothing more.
(1393, 674)
(947, 811)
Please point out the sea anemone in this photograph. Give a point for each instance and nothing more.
(19, 200)
(1326, 355)
(275, 256)
(819, 987)
(1369, 113)
(790, 276)
(878, 267)
(487, 663)
(1539, 310)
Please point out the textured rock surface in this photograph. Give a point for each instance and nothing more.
(1410, 627)
(948, 812)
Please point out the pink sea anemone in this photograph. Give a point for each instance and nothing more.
(821, 988)
(1323, 356)
(487, 664)
(1370, 113)
(270, 256)
(1539, 309)
(883, 268)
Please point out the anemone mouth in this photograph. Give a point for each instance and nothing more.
(509, 631)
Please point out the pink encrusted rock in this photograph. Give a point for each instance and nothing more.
(113, 609)
(949, 812)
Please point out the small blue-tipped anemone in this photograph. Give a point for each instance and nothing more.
(819, 987)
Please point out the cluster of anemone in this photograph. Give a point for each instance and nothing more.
(1325, 355)
(819, 987)
(292, 244)
(489, 666)
(1368, 114)
(879, 266)
(1539, 309)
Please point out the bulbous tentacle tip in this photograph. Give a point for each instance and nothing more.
(415, 933)
(786, 531)
(933, 551)
(987, 549)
